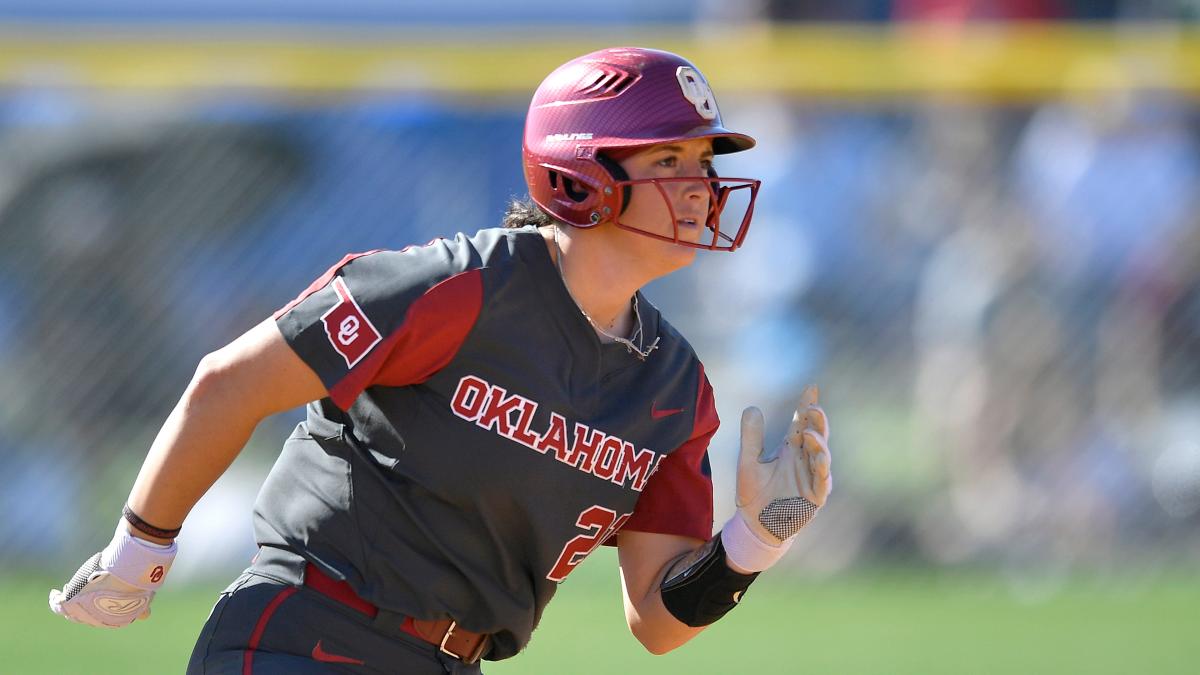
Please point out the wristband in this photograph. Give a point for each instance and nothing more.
(135, 521)
(746, 550)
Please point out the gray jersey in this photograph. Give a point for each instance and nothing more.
(478, 440)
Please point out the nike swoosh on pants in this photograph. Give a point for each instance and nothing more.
(320, 654)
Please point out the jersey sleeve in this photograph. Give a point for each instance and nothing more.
(389, 318)
(678, 498)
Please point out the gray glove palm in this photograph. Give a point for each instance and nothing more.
(778, 492)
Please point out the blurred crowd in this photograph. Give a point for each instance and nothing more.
(977, 10)
(1000, 302)
(1004, 305)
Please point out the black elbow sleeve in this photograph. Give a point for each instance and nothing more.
(706, 589)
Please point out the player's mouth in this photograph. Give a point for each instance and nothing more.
(687, 222)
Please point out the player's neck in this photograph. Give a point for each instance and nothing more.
(601, 277)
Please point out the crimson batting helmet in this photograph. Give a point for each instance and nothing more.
(621, 98)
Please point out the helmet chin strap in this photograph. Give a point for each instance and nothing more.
(638, 350)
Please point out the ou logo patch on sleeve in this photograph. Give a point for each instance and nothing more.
(350, 331)
(696, 90)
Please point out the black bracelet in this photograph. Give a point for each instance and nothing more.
(136, 522)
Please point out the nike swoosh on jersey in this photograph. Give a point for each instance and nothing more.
(320, 654)
(665, 412)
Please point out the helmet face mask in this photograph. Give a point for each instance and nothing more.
(717, 235)
(626, 99)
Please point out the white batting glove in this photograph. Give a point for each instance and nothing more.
(114, 587)
(778, 492)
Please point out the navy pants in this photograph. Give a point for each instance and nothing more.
(263, 625)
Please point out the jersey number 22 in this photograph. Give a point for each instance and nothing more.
(600, 523)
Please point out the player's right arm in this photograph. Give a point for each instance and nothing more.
(334, 340)
(233, 389)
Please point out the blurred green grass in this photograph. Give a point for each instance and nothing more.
(887, 621)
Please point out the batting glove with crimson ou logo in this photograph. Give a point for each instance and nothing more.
(114, 587)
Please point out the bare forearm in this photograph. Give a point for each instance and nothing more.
(649, 619)
(234, 389)
(198, 442)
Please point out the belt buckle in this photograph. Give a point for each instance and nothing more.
(468, 660)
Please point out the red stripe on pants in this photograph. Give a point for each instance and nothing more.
(261, 627)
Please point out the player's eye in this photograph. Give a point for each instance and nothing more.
(673, 161)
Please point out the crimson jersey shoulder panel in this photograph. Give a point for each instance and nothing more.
(432, 332)
(386, 317)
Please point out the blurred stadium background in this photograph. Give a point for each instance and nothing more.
(978, 231)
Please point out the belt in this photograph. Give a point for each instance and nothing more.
(445, 633)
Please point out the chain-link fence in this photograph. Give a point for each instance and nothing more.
(1000, 301)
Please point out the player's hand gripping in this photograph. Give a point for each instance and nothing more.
(114, 587)
(778, 491)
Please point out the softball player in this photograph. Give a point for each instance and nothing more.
(483, 412)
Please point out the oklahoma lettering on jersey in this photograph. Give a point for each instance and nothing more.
(587, 449)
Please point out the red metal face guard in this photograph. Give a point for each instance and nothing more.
(719, 189)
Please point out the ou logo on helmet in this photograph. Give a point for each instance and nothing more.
(696, 90)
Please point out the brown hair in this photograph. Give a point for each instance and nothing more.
(522, 212)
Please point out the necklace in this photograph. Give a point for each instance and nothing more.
(636, 350)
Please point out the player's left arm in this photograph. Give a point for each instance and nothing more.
(645, 559)
(675, 586)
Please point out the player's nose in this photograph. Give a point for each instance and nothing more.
(696, 191)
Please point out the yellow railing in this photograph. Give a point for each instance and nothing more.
(993, 61)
